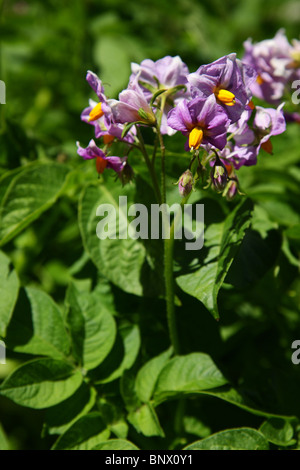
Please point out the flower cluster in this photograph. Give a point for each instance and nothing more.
(213, 107)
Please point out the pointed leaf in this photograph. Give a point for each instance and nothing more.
(222, 241)
(38, 329)
(29, 194)
(41, 383)
(116, 444)
(232, 439)
(84, 434)
(87, 315)
(186, 375)
(9, 288)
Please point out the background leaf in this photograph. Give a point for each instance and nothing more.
(9, 288)
(38, 328)
(120, 260)
(41, 383)
(186, 375)
(84, 434)
(29, 194)
(221, 243)
(86, 314)
(232, 439)
(116, 444)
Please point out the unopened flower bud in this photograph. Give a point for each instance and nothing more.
(231, 190)
(186, 183)
(127, 174)
(219, 176)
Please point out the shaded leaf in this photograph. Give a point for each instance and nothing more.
(38, 328)
(186, 375)
(29, 194)
(278, 431)
(222, 241)
(116, 444)
(92, 327)
(84, 434)
(9, 289)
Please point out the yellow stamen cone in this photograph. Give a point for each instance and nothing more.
(259, 80)
(96, 112)
(195, 138)
(226, 97)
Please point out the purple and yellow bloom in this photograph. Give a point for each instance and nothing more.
(102, 160)
(202, 120)
(100, 114)
(273, 61)
(228, 81)
(164, 74)
(247, 141)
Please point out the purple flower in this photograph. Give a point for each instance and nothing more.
(202, 120)
(100, 114)
(248, 140)
(132, 106)
(165, 73)
(272, 59)
(102, 160)
(228, 80)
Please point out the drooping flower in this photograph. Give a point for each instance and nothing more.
(248, 139)
(272, 60)
(103, 161)
(99, 114)
(202, 120)
(228, 80)
(132, 106)
(164, 74)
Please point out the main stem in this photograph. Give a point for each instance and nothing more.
(168, 257)
(149, 165)
(169, 290)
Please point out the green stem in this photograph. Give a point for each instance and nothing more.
(163, 166)
(149, 165)
(169, 280)
(169, 290)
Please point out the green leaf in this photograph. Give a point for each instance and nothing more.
(116, 444)
(145, 421)
(122, 355)
(3, 440)
(232, 439)
(120, 260)
(222, 241)
(187, 375)
(254, 258)
(39, 329)
(278, 431)
(113, 58)
(9, 288)
(29, 194)
(41, 383)
(60, 417)
(147, 376)
(84, 434)
(238, 398)
(86, 314)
